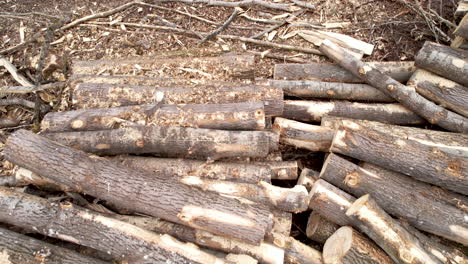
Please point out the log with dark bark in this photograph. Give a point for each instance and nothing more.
(301, 135)
(125, 242)
(407, 96)
(20, 249)
(421, 160)
(308, 177)
(237, 116)
(401, 71)
(386, 232)
(320, 229)
(347, 245)
(179, 142)
(462, 29)
(402, 196)
(313, 111)
(446, 93)
(135, 190)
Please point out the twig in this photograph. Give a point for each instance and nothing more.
(6, 122)
(30, 89)
(261, 20)
(245, 3)
(22, 102)
(303, 4)
(278, 57)
(14, 72)
(234, 14)
(443, 20)
(175, 30)
(30, 13)
(270, 29)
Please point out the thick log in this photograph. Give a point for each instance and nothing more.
(301, 135)
(125, 242)
(332, 90)
(178, 142)
(320, 229)
(402, 196)
(21, 249)
(93, 95)
(347, 245)
(407, 96)
(307, 178)
(421, 160)
(238, 116)
(134, 190)
(313, 111)
(386, 232)
(462, 29)
(300, 253)
(327, 72)
(446, 93)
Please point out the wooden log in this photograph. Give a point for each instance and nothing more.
(21, 249)
(301, 135)
(23, 177)
(93, 95)
(332, 90)
(421, 160)
(407, 96)
(300, 253)
(446, 93)
(462, 29)
(281, 170)
(282, 224)
(462, 8)
(347, 245)
(313, 111)
(237, 116)
(401, 71)
(319, 229)
(386, 232)
(123, 241)
(307, 178)
(179, 142)
(402, 196)
(444, 61)
(134, 190)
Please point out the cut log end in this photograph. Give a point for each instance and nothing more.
(357, 205)
(338, 245)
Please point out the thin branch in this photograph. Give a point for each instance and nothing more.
(276, 56)
(175, 30)
(14, 72)
(270, 29)
(261, 20)
(30, 89)
(303, 4)
(245, 3)
(234, 14)
(22, 102)
(29, 14)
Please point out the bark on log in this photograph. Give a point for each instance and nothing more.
(237, 116)
(112, 182)
(421, 160)
(332, 90)
(386, 232)
(281, 170)
(347, 245)
(320, 229)
(307, 178)
(300, 253)
(123, 241)
(444, 61)
(178, 142)
(402, 196)
(20, 249)
(301, 135)
(446, 93)
(23, 177)
(462, 29)
(407, 96)
(400, 71)
(313, 111)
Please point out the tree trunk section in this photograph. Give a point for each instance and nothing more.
(300, 253)
(134, 189)
(320, 229)
(462, 29)
(307, 178)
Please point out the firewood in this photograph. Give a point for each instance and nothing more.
(134, 190)
(301, 135)
(320, 229)
(313, 111)
(446, 93)
(180, 142)
(281, 170)
(402, 196)
(21, 249)
(23, 177)
(307, 178)
(462, 29)
(125, 242)
(240, 259)
(282, 224)
(300, 253)
(93, 95)
(401, 71)
(386, 232)
(347, 245)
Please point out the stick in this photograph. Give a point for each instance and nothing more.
(14, 72)
(245, 3)
(23, 102)
(31, 89)
(320, 229)
(303, 4)
(307, 178)
(223, 26)
(7, 122)
(267, 54)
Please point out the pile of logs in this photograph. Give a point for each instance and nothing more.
(178, 160)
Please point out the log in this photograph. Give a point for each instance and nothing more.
(281, 170)
(446, 93)
(178, 142)
(71, 223)
(134, 190)
(21, 249)
(407, 96)
(307, 178)
(94, 95)
(23, 177)
(313, 111)
(282, 224)
(320, 229)
(300, 253)
(237, 116)
(328, 72)
(301, 135)
(462, 8)
(402, 196)
(347, 245)
(421, 160)
(386, 232)
(331, 90)
(462, 29)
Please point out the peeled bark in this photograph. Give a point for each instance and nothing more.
(307, 178)
(320, 229)
(135, 190)
(238, 116)
(386, 232)
(178, 142)
(301, 135)
(313, 111)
